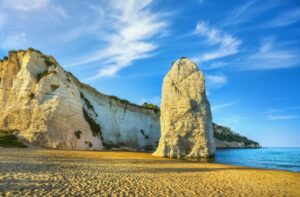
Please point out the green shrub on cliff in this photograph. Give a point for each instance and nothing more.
(153, 107)
(34, 50)
(124, 101)
(48, 61)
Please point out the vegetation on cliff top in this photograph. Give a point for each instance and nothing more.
(8, 139)
(49, 60)
(151, 106)
(124, 101)
(226, 134)
(147, 106)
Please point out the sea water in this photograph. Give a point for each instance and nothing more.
(271, 158)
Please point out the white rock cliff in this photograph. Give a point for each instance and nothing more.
(49, 107)
(186, 120)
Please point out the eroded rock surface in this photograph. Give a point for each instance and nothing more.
(40, 100)
(186, 120)
(51, 108)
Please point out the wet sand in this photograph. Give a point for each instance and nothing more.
(27, 172)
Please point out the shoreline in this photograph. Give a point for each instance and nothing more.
(146, 154)
(68, 172)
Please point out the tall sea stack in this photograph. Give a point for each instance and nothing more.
(186, 120)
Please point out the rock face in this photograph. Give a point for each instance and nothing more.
(186, 120)
(226, 138)
(39, 99)
(124, 125)
(51, 108)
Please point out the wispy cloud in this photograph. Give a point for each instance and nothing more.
(282, 117)
(287, 18)
(19, 19)
(85, 29)
(14, 41)
(28, 6)
(283, 113)
(238, 15)
(216, 81)
(25, 5)
(214, 65)
(280, 110)
(246, 13)
(226, 44)
(132, 28)
(223, 105)
(271, 55)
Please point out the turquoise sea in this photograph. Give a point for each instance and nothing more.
(271, 158)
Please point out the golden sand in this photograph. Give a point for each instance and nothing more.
(25, 172)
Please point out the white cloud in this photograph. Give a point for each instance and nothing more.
(223, 105)
(249, 11)
(79, 31)
(14, 41)
(238, 15)
(282, 117)
(58, 10)
(287, 18)
(227, 44)
(214, 65)
(12, 7)
(25, 5)
(281, 113)
(271, 55)
(131, 25)
(277, 110)
(216, 81)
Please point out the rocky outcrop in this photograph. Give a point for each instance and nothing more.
(226, 138)
(124, 125)
(186, 120)
(51, 108)
(38, 98)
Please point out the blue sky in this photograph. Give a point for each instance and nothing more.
(248, 50)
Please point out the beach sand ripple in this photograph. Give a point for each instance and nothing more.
(25, 172)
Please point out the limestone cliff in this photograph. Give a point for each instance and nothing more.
(39, 99)
(186, 120)
(51, 108)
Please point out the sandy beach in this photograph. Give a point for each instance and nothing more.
(29, 172)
